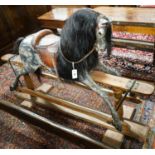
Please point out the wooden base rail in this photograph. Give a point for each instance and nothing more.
(50, 126)
(130, 128)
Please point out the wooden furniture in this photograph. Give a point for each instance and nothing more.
(128, 19)
(135, 20)
(56, 17)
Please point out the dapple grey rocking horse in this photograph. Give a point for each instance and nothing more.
(73, 54)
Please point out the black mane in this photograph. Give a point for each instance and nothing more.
(77, 39)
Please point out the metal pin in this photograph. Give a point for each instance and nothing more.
(73, 65)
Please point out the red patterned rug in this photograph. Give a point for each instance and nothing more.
(132, 63)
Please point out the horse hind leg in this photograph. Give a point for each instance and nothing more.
(90, 83)
(16, 82)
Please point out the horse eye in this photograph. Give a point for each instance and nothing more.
(104, 24)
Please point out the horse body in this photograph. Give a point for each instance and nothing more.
(36, 52)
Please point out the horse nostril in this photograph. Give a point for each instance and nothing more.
(99, 33)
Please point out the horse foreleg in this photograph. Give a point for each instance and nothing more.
(90, 83)
(108, 69)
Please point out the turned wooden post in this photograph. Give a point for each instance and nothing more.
(28, 81)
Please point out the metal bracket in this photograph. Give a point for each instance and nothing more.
(130, 86)
(130, 83)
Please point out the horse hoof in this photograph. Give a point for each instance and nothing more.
(118, 125)
(12, 88)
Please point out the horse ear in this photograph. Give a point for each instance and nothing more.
(109, 38)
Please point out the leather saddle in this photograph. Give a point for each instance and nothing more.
(46, 43)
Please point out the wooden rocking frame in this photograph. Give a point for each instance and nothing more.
(121, 90)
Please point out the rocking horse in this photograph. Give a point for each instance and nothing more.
(73, 56)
